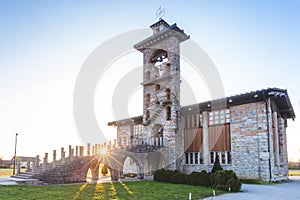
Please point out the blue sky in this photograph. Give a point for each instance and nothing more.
(43, 44)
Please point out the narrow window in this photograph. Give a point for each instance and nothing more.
(157, 87)
(168, 93)
(148, 100)
(168, 112)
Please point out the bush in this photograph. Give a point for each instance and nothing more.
(217, 165)
(225, 180)
(199, 178)
(178, 178)
(104, 170)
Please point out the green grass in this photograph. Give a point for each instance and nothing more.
(147, 190)
(8, 171)
(294, 172)
(255, 181)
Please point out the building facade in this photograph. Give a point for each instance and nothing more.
(247, 132)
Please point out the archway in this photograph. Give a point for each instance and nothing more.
(158, 135)
(130, 167)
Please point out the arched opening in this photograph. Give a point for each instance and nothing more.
(168, 94)
(130, 168)
(104, 172)
(156, 161)
(159, 56)
(147, 115)
(168, 113)
(168, 69)
(148, 100)
(157, 87)
(89, 175)
(158, 135)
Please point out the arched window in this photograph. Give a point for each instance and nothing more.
(147, 115)
(148, 75)
(168, 112)
(167, 69)
(157, 87)
(168, 94)
(159, 56)
(148, 100)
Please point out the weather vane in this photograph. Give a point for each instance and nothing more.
(160, 12)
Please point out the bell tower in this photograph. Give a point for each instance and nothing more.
(161, 87)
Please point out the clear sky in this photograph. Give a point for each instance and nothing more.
(43, 44)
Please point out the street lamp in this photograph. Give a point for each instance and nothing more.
(14, 170)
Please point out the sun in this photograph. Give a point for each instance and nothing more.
(103, 151)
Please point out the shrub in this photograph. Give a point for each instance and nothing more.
(225, 180)
(199, 178)
(104, 170)
(178, 178)
(217, 165)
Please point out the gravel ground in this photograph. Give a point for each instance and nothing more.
(289, 191)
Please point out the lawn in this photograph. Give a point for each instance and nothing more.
(114, 190)
(8, 171)
(294, 172)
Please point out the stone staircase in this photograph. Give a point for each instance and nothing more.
(155, 115)
(28, 174)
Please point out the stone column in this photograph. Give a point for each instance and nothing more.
(63, 156)
(33, 171)
(93, 150)
(88, 149)
(81, 149)
(45, 162)
(76, 151)
(115, 143)
(28, 165)
(18, 167)
(72, 154)
(70, 150)
(54, 159)
(109, 145)
(276, 139)
(37, 163)
(62, 153)
(54, 155)
(205, 144)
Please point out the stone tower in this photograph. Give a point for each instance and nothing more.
(161, 90)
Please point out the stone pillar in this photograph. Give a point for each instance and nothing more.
(88, 149)
(63, 156)
(62, 153)
(205, 145)
(18, 167)
(109, 144)
(104, 145)
(28, 164)
(54, 155)
(276, 139)
(93, 150)
(76, 151)
(45, 162)
(72, 154)
(70, 150)
(37, 162)
(33, 171)
(81, 149)
(54, 159)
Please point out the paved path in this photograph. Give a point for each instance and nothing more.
(287, 191)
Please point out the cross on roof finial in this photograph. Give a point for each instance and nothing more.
(160, 12)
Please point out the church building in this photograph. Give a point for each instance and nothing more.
(247, 131)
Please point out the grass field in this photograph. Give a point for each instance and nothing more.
(8, 172)
(294, 172)
(115, 190)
